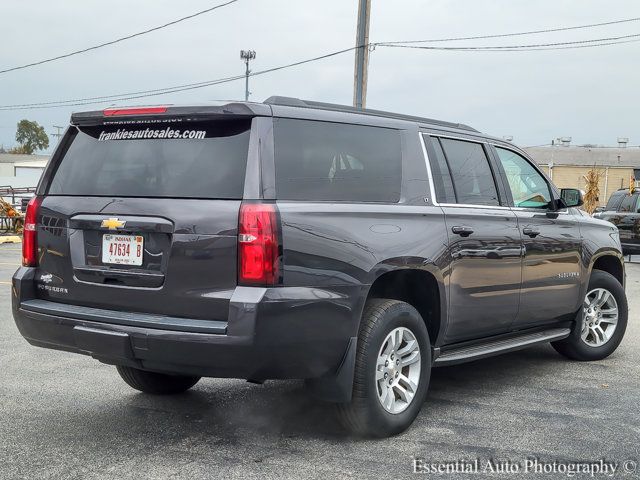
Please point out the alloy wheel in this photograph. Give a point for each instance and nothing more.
(398, 370)
(600, 317)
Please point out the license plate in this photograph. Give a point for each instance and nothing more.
(122, 249)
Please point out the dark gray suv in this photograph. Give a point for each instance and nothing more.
(292, 239)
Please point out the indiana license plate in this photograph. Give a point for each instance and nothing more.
(122, 249)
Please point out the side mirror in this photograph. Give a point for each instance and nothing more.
(571, 197)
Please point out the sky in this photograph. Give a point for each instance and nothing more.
(590, 94)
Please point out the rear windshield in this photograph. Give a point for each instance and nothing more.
(179, 160)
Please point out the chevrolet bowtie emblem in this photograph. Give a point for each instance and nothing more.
(112, 223)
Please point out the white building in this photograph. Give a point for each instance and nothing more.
(21, 170)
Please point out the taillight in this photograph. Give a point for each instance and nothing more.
(258, 244)
(29, 236)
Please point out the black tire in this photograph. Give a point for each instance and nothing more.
(573, 346)
(365, 415)
(156, 383)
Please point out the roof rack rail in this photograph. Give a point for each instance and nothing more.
(296, 102)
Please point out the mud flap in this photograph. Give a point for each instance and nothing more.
(337, 388)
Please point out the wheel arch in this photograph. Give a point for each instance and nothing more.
(395, 271)
(609, 261)
(417, 282)
(606, 260)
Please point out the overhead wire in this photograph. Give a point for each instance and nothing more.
(117, 40)
(599, 42)
(516, 34)
(163, 91)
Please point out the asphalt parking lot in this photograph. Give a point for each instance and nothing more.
(68, 416)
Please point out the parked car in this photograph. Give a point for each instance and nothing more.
(623, 210)
(299, 240)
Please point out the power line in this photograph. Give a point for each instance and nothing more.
(117, 40)
(202, 12)
(118, 95)
(596, 42)
(516, 34)
(192, 86)
(569, 47)
(163, 91)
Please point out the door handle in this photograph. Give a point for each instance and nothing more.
(462, 230)
(532, 232)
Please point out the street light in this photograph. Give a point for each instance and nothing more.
(247, 56)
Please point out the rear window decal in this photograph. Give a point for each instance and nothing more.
(148, 133)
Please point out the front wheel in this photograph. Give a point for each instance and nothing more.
(601, 322)
(392, 371)
(156, 383)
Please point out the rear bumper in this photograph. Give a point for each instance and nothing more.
(270, 333)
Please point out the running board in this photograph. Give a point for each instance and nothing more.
(495, 347)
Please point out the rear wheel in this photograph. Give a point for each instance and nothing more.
(156, 383)
(601, 323)
(393, 366)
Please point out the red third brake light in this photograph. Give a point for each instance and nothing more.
(258, 244)
(29, 237)
(116, 112)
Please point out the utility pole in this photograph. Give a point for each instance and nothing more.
(57, 134)
(247, 56)
(362, 55)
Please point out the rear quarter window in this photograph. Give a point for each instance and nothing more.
(178, 160)
(323, 161)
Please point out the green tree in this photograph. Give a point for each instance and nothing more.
(31, 137)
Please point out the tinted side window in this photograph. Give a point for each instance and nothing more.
(614, 201)
(322, 161)
(629, 204)
(445, 192)
(528, 187)
(472, 177)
